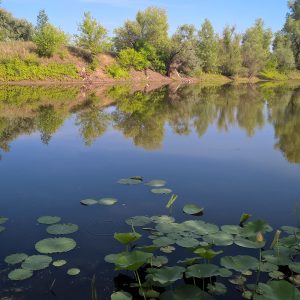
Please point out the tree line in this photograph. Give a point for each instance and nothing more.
(145, 43)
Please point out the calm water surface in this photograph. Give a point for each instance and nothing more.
(230, 149)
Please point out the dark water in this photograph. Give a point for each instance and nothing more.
(230, 149)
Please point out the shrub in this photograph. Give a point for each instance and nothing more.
(129, 58)
(271, 74)
(116, 71)
(48, 39)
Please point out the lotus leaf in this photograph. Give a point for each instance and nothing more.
(246, 243)
(127, 238)
(16, 258)
(277, 260)
(217, 289)
(192, 209)
(225, 273)
(169, 227)
(59, 229)
(156, 183)
(130, 181)
(247, 295)
(187, 242)
(2, 229)
(107, 201)
(202, 271)
(276, 275)
(219, 238)
(295, 267)
(55, 245)
(162, 219)
(239, 263)
(277, 290)
(267, 267)
(59, 263)
(200, 227)
(158, 261)
(121, 296)
(73, 271)
(189, 261)
(88, 202)
(138, 221)
(48, 220)
(232, 229)
(163, 242)
(167, 249)
(3, 220)
(166, 275)
(188, 292)
(36, 262)
(207, 253)
(290, 229)
(161, 191)
(252, 228)
(20, 274)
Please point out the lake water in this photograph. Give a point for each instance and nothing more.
(230, 149)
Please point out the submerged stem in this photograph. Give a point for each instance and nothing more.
(140, 284)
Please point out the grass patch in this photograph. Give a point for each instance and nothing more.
(272, 75)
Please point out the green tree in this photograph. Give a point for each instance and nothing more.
(129, 58)
(256, 47)
(42, 20)
(282, 49)
(208, 47)
(230, 52)
(92, 35)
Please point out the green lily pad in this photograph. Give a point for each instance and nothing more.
(189, 292)
(2, 228)
(247, 295)
(163, 242)
(107, 201)
(127, 238)
(59, 263)
(280, 260)
(20, 274)
(217, 289)
(232, 229)
(138, 221)
(189, 261)
(202, 271)
(156, 183)
(129, 181)
(295, 267)
(225, 273)
(158, 261)
(277, 290)
(240, 263)
(162, 219)
(219, 238)
(168, 227)
(88, 202)
(3, 220)
(16, 258)
(290, 229)
(36, 262)
(252, 228)
(166, 274)
(73, 271)
(267, 267)
(276, 275)
(193, 209)
(55, 245)
(48, 220)
(59, 229)
(187, 242)
(207, 253)
(167, 249)
(246, 243)
(200, 227)
(161, 191)
(121, 296)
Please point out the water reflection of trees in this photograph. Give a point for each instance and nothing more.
(142, 116)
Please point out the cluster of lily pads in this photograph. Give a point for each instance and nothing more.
(3, 220)
(29, 264)
(272, 272)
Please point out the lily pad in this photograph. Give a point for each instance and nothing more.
(217, 289)
(156, 183)
(167, 249)
(138, 221)
(121, 296)
(20, 274)
(240, 263)
(276, 275)
(59, 263)
(129, 181)
(2, 228)
(158, 261)
(187, 242)
(16, 258)
(162, 219)
(295, 267)
(88, 202)
(161, 191)
(251, 229)
(232, 229)
(219, 238)
(107, 201)
(59, 229)
(36, 262)
(207, 253)
(48, 220)
(166, 274)
(127, 238)
(188, 292)
(200, 227)
(3, 220)
(246, 243)
(55, 245)
(193, 209)
(163, 242)
(202, 271)
(73, 271)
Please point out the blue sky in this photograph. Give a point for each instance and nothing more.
(112, 13)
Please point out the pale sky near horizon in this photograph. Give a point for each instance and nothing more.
(112, 13)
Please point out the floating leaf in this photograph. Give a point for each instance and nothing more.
(127, 238)
(167, 249)
(247, 295)
(88, 202)
(277, 290)
(163, 242)
(217, 289)
(20, 274)
(232, 229)
(16, 258)
(156, 183)
(246, 243)
(200, 227)
(3, 220)
(279, 260)
(189, 292)
(189, 261)
(48, 220)
(166, 274)
(2, 228)
(73, 271)
(55, 245)
(239, 263)
(202, 271)
(219, 238)
(238, 280)
(192, 209)
(276, 275)
(129, 181)
(59, 263)
(161, 191)
(121, 296)
(107, 201)
(295, 266)
(267, 267)
(252, 228)
(290, 229)
(59, 229)
(224, 273)
(138, 221)
(158, 261)
(187, 242)
(207, 253)
(36, 262)
(140, 178)
(162, 219)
